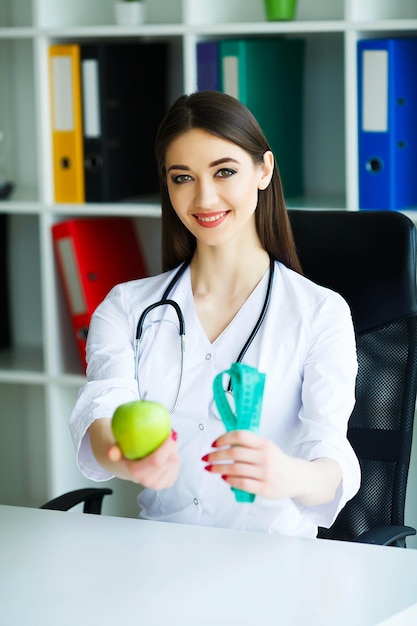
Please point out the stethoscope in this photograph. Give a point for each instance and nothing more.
(166, 301)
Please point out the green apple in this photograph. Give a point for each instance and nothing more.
(140, 427)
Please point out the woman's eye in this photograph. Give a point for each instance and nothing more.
(225, 172)
(181, 178)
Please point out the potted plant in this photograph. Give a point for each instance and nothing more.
(280, 9)
(129, 12)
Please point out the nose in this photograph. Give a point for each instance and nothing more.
(206, 194)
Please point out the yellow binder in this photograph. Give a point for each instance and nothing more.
(67, 132)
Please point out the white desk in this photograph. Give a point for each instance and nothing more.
(71, 569)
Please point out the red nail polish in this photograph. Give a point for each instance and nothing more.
(174, 435)
(224, 476)
(214, 444)
(208, 468)
(205, 457)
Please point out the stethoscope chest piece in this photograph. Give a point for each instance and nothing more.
(229, 398)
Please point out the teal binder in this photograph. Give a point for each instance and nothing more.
(266, 75)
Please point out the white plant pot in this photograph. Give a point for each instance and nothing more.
(127, 13)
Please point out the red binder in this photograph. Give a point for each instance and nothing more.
(94, 255)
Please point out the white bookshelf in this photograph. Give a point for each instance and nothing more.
(41, 374)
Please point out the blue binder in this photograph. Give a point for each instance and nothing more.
(387, 123)
(208, 70)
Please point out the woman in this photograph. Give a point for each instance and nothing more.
(224, 219)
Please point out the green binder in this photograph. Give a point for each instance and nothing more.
(266, 75)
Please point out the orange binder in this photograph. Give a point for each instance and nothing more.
(67, 132)
(93, 255)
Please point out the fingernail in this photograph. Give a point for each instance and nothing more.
(224, 476)
(174, 435)
(208, 468)
(205, 457)
(214, 444)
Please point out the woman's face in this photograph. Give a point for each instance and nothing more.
(213, 185)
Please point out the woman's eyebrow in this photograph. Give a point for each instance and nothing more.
(223, 160)
(212, 164)
(178, 167)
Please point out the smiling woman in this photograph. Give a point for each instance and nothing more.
(218, 116)
(216, 185)
(233, 290)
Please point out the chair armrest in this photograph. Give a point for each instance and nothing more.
(91, 496)
(386, 535)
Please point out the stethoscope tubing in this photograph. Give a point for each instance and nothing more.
(262, 315)
(166, 301)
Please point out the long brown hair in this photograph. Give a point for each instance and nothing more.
(225, 117)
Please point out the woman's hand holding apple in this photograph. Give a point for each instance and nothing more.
(145, 443)
(157, 470)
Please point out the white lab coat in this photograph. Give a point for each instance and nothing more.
(306, 347)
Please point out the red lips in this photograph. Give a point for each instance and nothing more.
(211, 220)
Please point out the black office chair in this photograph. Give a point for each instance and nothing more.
(370, 258)
(91, 496)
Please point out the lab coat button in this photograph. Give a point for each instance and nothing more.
(208, 356)
(195, 501)
(201, 426)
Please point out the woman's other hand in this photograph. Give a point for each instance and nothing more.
(251, 463)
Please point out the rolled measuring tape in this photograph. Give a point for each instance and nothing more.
(247, 385)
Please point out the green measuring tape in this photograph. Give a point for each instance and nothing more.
(247, 384)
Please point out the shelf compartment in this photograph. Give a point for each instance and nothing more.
(23, 294)
(324, 118)
(23, 469)
(22, 364)
(253, 11)
(375, 10)
(174, 88)
(15, 13)
(64, 351)
(23, 198)
(70, 13)
(18, 162)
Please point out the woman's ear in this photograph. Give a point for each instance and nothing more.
(267, 169)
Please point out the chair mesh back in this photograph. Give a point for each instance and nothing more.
(380, 428)
(370, 258)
